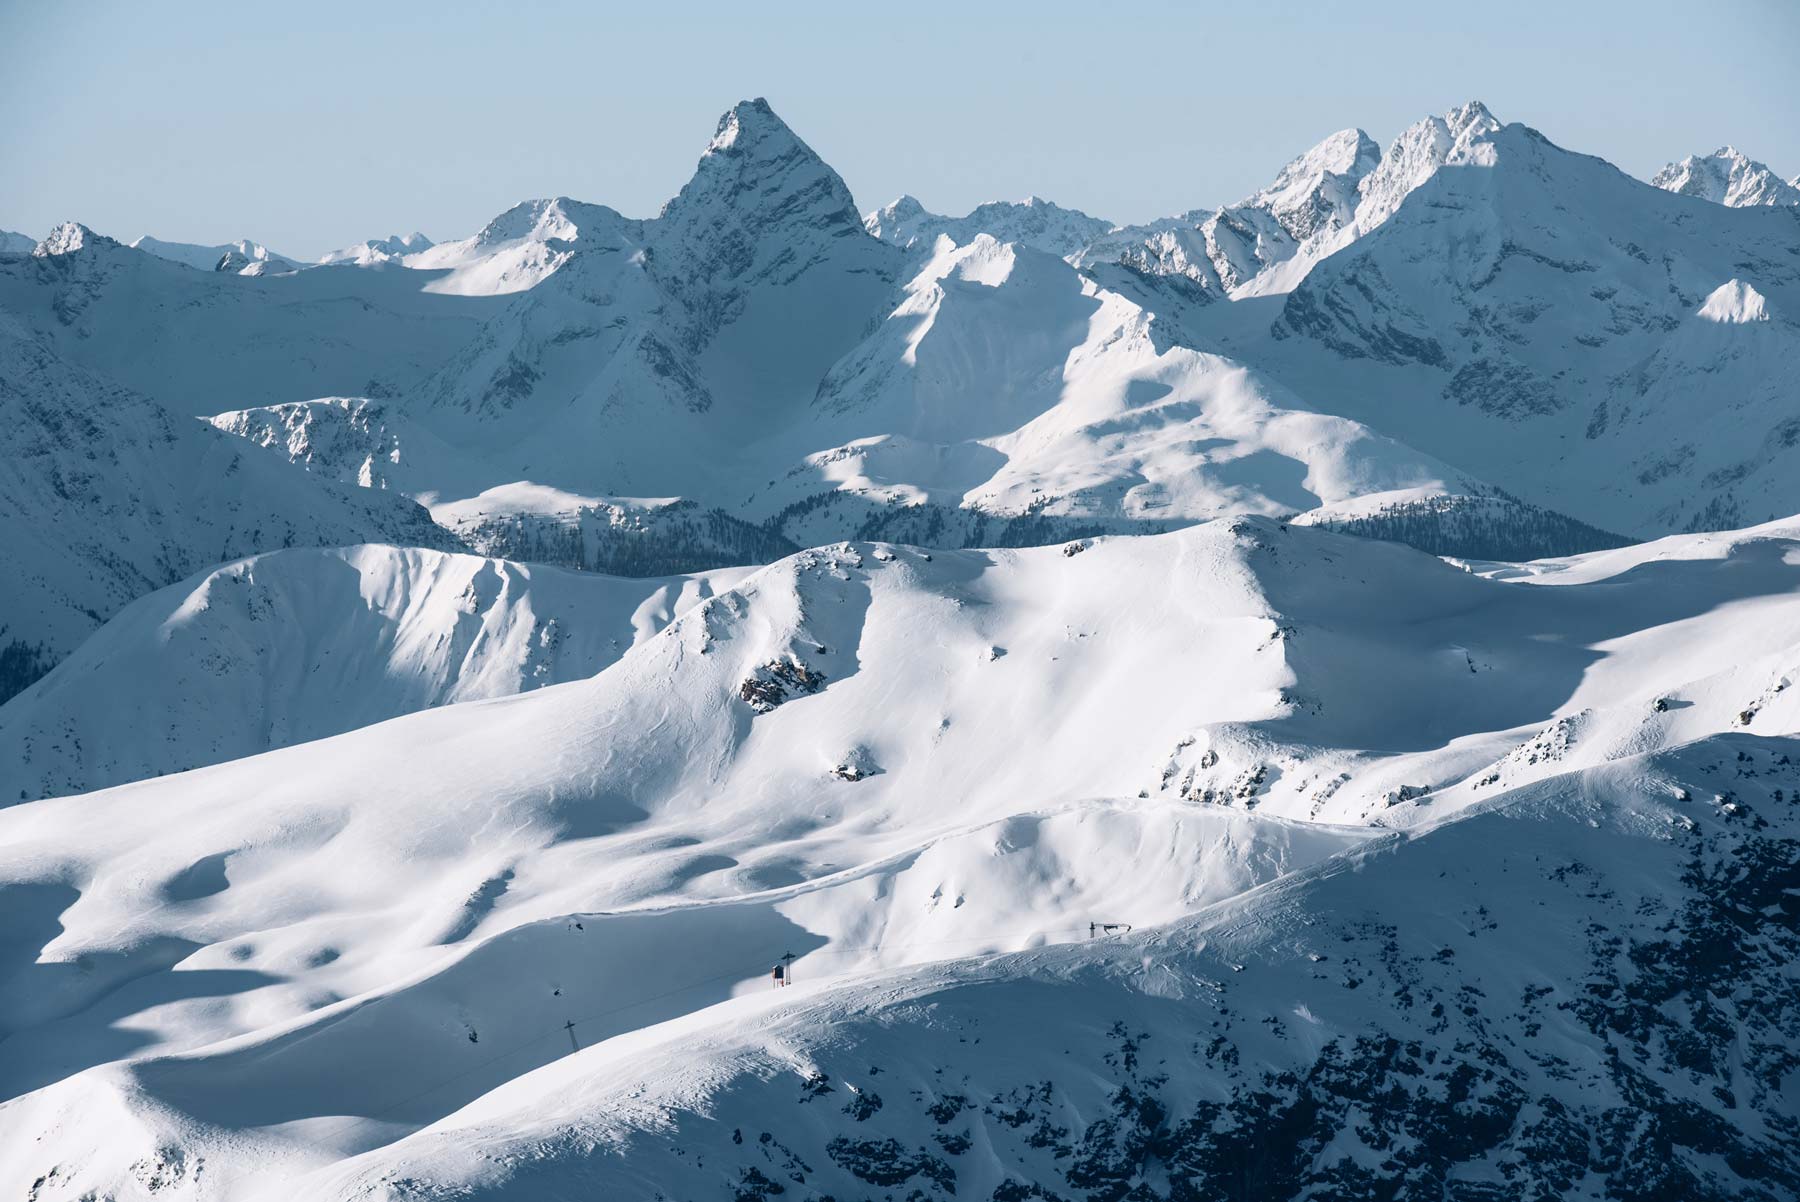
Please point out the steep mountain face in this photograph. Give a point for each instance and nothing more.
(667, 344)
(243, 257)
(109, 497)
(204, 342)
(1355, 976)
(1728, 177)
(1549, 324)
(1032, 222)
(300, 644)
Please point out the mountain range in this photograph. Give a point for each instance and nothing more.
(1292, 700)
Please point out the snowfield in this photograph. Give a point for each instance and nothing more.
(1294, 700)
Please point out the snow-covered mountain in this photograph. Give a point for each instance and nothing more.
(1138, 818)
(16, 244)
(1575, 774)
(1032, 222)
(300, 644)
(373, 251)
(243, 257)
(108, 496)
(517, 249)
(1547, 323)
(755, 354)
(1727, 176)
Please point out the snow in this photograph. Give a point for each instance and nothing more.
(1728, 177)
(600, 848)
(1034, 222)
(67, 238)
(296, 645)
(393, 248)
(439, 689)
(1734, 302)
(246, 257)
(109, 497)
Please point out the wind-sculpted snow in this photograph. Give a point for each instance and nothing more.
(1137, 818)
(1582, 992)
(360, 954)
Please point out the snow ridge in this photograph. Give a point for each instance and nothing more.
(1727, 176)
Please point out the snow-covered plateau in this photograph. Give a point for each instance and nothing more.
(1293, 700)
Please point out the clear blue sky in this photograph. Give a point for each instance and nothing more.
(314, 125)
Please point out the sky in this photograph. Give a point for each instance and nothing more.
(309, 127)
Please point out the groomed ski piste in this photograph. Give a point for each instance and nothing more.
(523, 946)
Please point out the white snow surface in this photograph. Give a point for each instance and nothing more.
(312, 966)
(295, 645)
(1727, 176)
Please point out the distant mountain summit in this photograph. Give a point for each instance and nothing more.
(68, 238)
(1727, 176)
(242, 257)
(1032, 222)
(379, 250)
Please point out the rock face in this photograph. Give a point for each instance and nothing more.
(1727, 177)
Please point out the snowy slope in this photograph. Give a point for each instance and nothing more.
(1034, 222)
(16, 244)
(1727, 176)
(108, 496)
(1549, 999)
(296, 645)
(1012, 399)
(370, 944)
(246, 257)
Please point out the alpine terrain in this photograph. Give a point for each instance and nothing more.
(764, 701)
